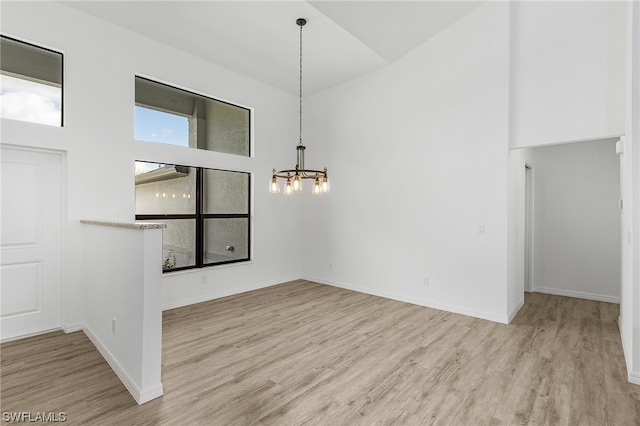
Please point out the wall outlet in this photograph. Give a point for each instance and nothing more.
(204, 279)
(331, 265)
(113, 325)
(425, 281)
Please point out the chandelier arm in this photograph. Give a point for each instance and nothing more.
(303, 174)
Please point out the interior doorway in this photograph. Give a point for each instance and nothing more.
(570, 219)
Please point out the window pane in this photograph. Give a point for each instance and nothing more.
(178, 243)
(157, 126)
(30, 101)
(165, 189)
(226, 239)
(225, 192)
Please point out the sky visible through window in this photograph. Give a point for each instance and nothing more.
(27, 100)
(157, 126)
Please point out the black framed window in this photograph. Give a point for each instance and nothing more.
(206, 212)
(30, 82)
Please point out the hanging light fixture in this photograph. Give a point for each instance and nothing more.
(293, 177)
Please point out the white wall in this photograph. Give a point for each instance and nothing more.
(576, 225)
(100, 61)
(630, 291)
(516, 227)
(417, 154)
(567, 71)
(122, 270)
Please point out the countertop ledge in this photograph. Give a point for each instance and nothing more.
(127, 225)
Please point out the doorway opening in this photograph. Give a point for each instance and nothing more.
(570, 223)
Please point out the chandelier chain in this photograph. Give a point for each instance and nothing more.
(300, 92)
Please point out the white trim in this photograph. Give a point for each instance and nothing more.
(140, 395)
(151, 393)
(413, 300)
(578, 294)
(224, 293)
(634, 377)
(72, 328)
(515, 310)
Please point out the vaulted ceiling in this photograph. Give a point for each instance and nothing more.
(342, 39)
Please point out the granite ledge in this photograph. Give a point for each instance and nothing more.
(126, 225)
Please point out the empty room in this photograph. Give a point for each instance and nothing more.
(320, 212)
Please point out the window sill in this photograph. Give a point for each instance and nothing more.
(207, 268)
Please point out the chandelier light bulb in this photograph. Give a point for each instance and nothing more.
(297, 183)
(326, 187)
(274, 188)
(316, 187)
(288, 187)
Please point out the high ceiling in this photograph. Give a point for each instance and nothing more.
(342, 39)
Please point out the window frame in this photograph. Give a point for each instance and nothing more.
(29, 78)
(200, 217)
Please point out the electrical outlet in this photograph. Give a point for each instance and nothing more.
(204, 279)
(331, 265)
(425, 281)
(113, 325)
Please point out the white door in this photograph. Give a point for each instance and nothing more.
(30, 241)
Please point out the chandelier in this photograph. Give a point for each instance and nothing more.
(294, 177)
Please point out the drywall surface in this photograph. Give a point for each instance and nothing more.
(630, 291)
(100, 62)
(515, 230)
(123, 304)
(567, 71)
(417, 154)
(576, 220)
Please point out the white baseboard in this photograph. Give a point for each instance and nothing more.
(515, 310)
(414, 300)
(24, 336)
(578, 294)
(151, 393)
(140, 395)
(72, 328)
(224, 293)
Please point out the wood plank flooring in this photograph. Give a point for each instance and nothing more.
(305, 353)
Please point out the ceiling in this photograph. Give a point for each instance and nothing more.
(342, 39)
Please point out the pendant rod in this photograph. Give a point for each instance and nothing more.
(301, 22)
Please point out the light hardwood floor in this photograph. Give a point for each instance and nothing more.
(305, 353)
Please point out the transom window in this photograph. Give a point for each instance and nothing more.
(170, 115)
(30, 83)
(206, 212)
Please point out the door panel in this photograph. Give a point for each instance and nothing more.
(30, 243)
